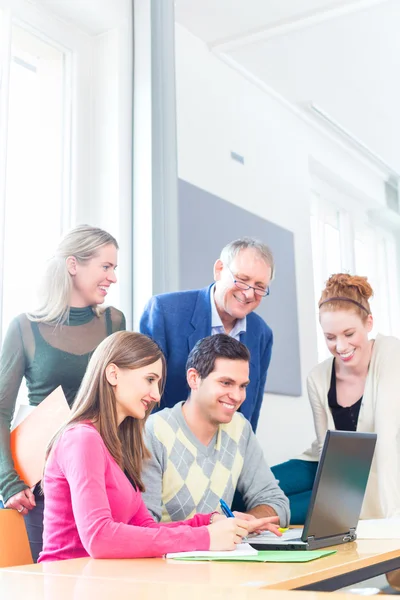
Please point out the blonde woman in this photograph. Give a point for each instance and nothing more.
(93, 474)
(52, 346)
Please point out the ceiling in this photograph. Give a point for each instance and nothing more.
(218, 20)
(341, 55)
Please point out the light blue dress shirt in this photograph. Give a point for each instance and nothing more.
(217, 325)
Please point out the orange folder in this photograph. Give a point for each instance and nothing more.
(29, 439)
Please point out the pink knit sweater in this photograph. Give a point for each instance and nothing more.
(91, 508)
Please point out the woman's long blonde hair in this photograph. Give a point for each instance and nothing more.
(83, 242)
(96, 401)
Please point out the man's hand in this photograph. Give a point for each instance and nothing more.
(244, 516)
(262, 510)
(262, 524)
(255, 525)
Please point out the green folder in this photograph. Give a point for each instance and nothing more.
(283, 556)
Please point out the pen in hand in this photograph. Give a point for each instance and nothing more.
(228, 513)
(226, 510)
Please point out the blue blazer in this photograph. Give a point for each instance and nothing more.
(178, 320)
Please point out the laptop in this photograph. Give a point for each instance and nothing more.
(336, 498)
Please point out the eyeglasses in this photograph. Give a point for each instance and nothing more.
(241, 285)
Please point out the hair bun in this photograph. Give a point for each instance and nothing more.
(340, 283)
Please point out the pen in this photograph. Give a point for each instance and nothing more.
(225, 509)
(228, 513)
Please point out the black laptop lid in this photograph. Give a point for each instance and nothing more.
(340, 484)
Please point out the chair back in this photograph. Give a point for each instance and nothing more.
(14, 543)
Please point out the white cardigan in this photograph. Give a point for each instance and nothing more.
(379, 413)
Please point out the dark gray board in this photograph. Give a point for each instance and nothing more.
(206, 224)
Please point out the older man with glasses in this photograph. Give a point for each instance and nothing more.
(178, 320)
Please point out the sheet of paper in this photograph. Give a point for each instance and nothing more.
(240, 551)
(379, 529)
(285, 556)
(24, 410)
(28, 441)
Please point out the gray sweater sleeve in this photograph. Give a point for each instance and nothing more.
(153, 471)
(257, 484)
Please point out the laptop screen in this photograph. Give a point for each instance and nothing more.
(340, 484)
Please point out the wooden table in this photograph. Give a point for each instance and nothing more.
(38, 586)
(352, 563)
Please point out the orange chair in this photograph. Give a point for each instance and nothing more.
(14, 543)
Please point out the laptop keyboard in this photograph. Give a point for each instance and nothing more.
(268, 537)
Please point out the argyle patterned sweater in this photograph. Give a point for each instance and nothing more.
(183, 477)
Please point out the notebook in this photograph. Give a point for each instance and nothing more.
(240, 551)
(262, 556)
(336, 498)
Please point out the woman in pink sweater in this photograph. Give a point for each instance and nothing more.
(92, 480)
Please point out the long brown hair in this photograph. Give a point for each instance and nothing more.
(96, 401)
(347, 292)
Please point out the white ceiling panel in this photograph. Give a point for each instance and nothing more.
(220, 20)
(349, 67)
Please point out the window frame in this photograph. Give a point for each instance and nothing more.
(353, 220)
(77, 54)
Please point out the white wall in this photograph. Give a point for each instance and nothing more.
(220, 111)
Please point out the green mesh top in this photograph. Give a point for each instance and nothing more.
(47, 356)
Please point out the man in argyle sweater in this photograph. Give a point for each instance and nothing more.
(203, 449)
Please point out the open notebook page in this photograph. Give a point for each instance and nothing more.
(240, 550)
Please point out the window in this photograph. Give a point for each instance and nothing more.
(375, 256)
(327, 253)
(344, 240)
(36, 168)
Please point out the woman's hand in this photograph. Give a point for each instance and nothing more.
(226, 533)
(218, 517)
(23, 502)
